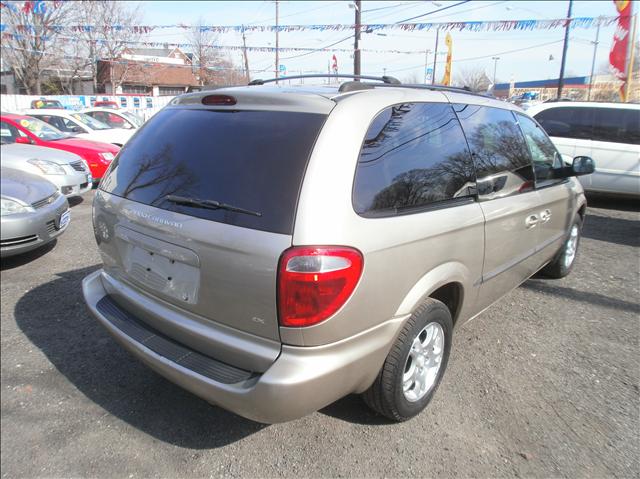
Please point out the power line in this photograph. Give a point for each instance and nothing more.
(294, 14)
(485, 56)
(390, 6)
(434, 11)
(319, 49)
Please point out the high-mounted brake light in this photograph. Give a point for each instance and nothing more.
(314, 282)
(218, 100)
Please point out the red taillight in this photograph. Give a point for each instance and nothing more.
(314, 282)
(218, 100)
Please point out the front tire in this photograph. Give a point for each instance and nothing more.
(564, 260)
(415, 365)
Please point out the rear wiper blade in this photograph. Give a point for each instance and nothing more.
(208, 204)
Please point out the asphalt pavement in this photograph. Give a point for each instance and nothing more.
(543, 384)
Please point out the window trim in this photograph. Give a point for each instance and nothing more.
(438, 205)
(414, 210)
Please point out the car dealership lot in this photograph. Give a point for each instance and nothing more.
(545, 383)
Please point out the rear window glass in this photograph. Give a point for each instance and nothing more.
(253, 160)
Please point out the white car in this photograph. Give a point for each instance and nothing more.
(607, 132)
(115, 118)
(67, 171)
(82, 126)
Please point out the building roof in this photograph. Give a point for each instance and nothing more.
(147, 74)
(150, 52)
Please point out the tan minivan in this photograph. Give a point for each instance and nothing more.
(273, 249)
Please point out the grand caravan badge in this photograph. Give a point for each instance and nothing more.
(149, 217)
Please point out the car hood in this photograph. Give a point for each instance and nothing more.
(28, 152)
(94, 146)
(24, 187)
(112, 135)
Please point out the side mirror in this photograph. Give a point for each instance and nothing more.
(24, 140)
(583, 165)
(77, 129)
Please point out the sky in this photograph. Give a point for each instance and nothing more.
(531, 64)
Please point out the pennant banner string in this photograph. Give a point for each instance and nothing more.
(471, 26)
(64, 39)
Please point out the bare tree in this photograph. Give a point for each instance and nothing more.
(212, 68)
(29, 48)
(107, 41)
(474, 78)
(412, 79)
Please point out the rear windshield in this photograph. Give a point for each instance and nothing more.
(253, 160)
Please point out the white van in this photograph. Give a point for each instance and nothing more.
(607, 132)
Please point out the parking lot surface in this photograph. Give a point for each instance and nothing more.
(543, 384)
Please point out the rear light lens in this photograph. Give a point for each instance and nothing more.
(218, 100)
(314, 282)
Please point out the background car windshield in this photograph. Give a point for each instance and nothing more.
(250, 159)
(42, 130)
(133, 118)
(90, 122)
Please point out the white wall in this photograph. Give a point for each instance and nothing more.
(145, 106)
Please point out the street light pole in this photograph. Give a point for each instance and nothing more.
(277, 46)
(435, 56)
(593, 62)
(426, 64)
(356, 46)
(564, 50)
(495, 68)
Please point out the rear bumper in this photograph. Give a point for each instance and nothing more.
(300, 381)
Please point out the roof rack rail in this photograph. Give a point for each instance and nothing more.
(453, 89)
(385, 79)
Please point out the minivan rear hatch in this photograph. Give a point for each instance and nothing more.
(198, 206)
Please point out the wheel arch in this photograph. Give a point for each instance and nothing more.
(448, 283)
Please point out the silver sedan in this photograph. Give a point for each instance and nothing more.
(67, 171)
(32, 212)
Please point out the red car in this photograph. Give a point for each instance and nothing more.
(28, 130)
(106, 104)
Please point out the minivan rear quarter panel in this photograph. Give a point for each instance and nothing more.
(398, 251)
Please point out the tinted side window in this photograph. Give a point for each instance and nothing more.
(545, 157)
(617, 125)
(500, 154)
(567, 122)
(414, 155)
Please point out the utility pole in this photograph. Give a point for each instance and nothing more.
(495, 68)
(593, 61)
(564, 50)
(277, 45)
(246, 58)
(356, 46)
(435, 56)
(426, 63)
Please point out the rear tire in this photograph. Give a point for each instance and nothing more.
(564, 260)
(415, 365)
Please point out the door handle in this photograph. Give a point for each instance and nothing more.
(531, 221)
(545, 216)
